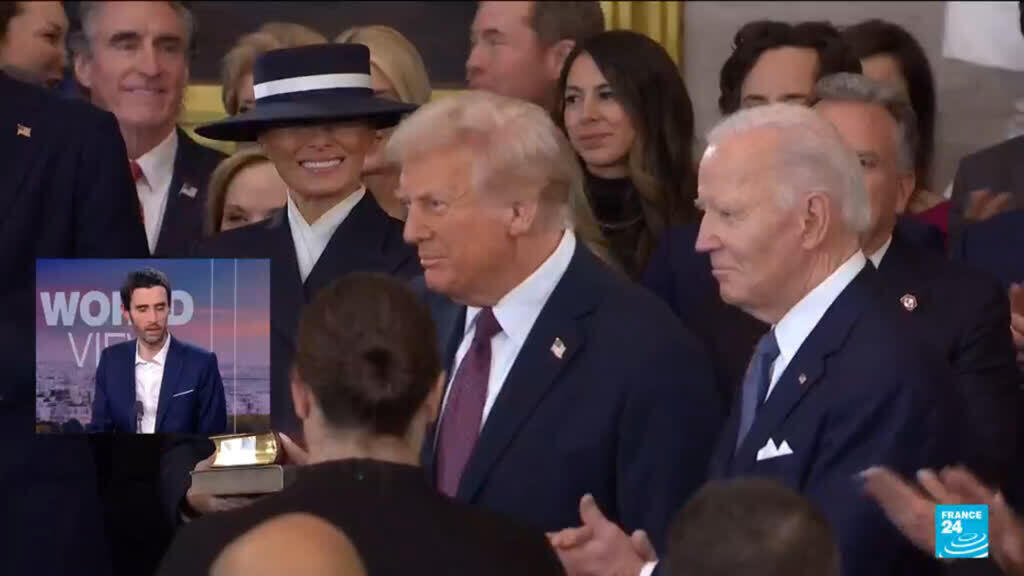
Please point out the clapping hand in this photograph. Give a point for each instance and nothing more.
(599, 547)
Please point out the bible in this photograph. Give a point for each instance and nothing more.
(244, 465)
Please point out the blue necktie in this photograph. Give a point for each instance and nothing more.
(755, 383)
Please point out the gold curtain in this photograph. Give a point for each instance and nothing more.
(660, 21)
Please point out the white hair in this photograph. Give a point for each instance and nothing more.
(810, 156)
(512, 141)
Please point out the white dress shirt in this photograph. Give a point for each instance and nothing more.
(149, 376)
(797, 324)
(516, 312)
(876, 258)
(311, 239)
(154, 186)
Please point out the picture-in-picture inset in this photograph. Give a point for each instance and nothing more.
(153, 346)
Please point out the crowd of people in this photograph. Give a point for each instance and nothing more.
(523, 329)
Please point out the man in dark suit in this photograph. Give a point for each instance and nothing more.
(156, 383)
(566, 378)
(840, 383)
(132, 59)
(366, 385)
(66, 193)
(962, 315)
(330, 227)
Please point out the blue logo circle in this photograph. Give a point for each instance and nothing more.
(971, 545)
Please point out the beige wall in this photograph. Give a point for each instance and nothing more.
(975, 104)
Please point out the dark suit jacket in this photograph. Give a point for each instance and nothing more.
(191, 392)
(398, 524)
(681, 277)
(964, 316)
(67, 192)
(995, 246)
(367, 240)
(999, 168)
(628, 413)
(182, 225)
(859, 392)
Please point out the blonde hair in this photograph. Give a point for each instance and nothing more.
(240, 59)
(396, 58)
(513, 141)
(220, 179)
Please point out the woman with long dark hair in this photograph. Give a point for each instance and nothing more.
(629, 117)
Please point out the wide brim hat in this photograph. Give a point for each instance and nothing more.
(309, 85)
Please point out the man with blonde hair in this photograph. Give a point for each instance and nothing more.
(566, 379)
(840, 382)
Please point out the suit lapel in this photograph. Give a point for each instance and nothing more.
(536, 368)
(17, 151)
(168, 384)
(808, 366)
(285, 281)
(129, 376)
(355, 245)
(180, 207)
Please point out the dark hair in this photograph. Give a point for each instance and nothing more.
(875, 37)
(367, 348)
(145, 278)
(8, 10)
(750, 526)
(649, 87)
(576, 21)
(756, 38)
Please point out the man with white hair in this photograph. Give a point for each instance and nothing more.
(838, 384)
(566, 379)
(963, 314)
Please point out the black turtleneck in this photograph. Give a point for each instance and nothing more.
(620, 214)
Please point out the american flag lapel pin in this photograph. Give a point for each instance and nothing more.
(802, 378)
(24, 131)
(558, 348)
(188, 190)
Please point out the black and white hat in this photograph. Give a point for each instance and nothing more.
(309, 85)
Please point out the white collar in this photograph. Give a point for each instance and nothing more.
(876, 258)
(160, 356)
(158, 164)
(796, 325)
(517, 310)
(328, 222)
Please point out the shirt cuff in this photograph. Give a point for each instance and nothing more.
(648, 569)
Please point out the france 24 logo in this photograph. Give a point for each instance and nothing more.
(961, 531)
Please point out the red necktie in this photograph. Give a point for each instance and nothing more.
(136, 176)
(136, 170)
(460, 423)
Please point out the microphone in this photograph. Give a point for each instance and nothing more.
(138, 415)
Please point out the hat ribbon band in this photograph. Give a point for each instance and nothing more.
(308, 83)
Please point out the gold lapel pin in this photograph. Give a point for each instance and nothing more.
(24, 131)
(558, 348)
(909, 302)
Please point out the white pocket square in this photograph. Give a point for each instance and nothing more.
(183, 393)
(770, 450)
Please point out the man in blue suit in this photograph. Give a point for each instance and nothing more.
(962, 314)
(156, 383)
(839, 383)
(565, 378)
